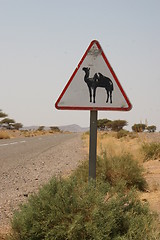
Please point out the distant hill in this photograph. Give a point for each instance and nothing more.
(73, 128)
(30, 128)
(66, 128)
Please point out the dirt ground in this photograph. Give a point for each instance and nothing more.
(153, 179)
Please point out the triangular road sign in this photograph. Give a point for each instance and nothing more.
(93, 85)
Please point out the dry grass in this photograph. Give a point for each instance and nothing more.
(108, 142)
(33, 133)
(4, 134)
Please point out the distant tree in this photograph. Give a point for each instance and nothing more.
(2, 114)
(118, 125)
(8, 123)
(17, 126)
(140, 127)
(109, 125)
(102, 124)
(151, 128)
(55, 129)
(41, 128)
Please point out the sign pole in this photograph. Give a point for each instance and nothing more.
(93, 145)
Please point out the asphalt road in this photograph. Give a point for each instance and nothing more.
(17, 151)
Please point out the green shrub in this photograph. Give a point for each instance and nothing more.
(81, 172)
(114, 170)
(151, 150)
(121, 168)
(122, 133)
(67, 210)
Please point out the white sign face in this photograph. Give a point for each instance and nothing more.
(93, 85)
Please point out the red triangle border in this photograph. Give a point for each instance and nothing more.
(114, 76)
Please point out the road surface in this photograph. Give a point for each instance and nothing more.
(21, 150)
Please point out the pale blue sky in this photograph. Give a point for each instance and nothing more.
(41, 43)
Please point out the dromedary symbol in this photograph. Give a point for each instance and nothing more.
(98, 80)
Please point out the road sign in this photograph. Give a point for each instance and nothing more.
(93, 85)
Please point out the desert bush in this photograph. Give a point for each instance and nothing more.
(121, 168)
(28, 134)
(115, 169)
(65, 209)
(41, 128)
(140, 127)
(55, 129)
(151, 128)
(133, 135)
(17, 126)
(4, 135)
(81, 172)
(2, 114)
(122, 133)
(151, 150)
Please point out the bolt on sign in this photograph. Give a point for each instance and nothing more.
(93, 85)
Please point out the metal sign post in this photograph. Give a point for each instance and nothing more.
(93, 145)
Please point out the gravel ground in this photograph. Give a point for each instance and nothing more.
(17, 184)
(152, 177)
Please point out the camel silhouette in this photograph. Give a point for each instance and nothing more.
(98, 80)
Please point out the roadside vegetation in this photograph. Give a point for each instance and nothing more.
(39, 131)
(9, 128)
(151, 150)
(72, 209)
(4, 134)
(8, 123)
(110, 209)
